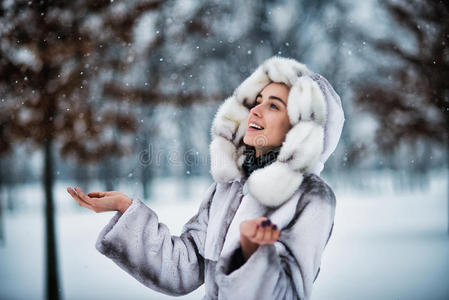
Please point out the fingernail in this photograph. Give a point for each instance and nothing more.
(268, 222)
(264, 223)
(274, 227)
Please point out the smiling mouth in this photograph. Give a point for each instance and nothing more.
(255, 126)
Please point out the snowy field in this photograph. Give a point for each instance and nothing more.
(384, 246)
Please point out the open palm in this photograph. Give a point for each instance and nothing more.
(101, 201)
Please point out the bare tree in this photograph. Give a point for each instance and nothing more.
(51, 57)
(410, 96)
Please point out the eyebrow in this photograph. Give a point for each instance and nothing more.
(273, 98)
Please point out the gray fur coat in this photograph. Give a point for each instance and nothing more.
(144, 248)
(289, 192)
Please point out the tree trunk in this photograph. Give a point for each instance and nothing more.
(107, 172)
(146, 182)
(447, 172)
(146, 154)
(9, 185)
(82, 177)
(146, 174)
(186, 157)
(2, 234)
(53, 289)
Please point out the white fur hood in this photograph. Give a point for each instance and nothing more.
(316, 116)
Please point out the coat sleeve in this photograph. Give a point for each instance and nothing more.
(144, 248)
(288, 268)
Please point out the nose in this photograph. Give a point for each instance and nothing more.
(256, 110)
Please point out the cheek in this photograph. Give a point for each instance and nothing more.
(277, 133)
(287, 127)
(284, 127)
(283, 132)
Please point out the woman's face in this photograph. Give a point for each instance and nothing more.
(268, 121)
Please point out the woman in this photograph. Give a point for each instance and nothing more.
(265, 221)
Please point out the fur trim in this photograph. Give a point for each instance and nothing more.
(306, 102)
(302, 146)
(301, 152)
(275, 69)
(269, 193)
(230, 120)
(222, 160)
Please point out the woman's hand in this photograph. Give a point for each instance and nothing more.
(101, 201)
(256, 232)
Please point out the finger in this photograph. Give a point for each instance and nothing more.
(261, 229)
(101, 194)
(278, 235)
(78, 199)
(73, 194)
(82, 196)
(248, 228)
(259, 234)
(274, 233)
(254, 231)
(267, 233)
(96, 194)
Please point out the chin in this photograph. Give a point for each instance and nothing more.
(248, 141)
(257, 140)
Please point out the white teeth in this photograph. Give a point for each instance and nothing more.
(255, 126)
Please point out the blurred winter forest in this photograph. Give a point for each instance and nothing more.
(120, 95)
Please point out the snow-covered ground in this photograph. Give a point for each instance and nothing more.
(384, 246)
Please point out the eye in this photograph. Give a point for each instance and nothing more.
(274, 106)
(257, 102)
